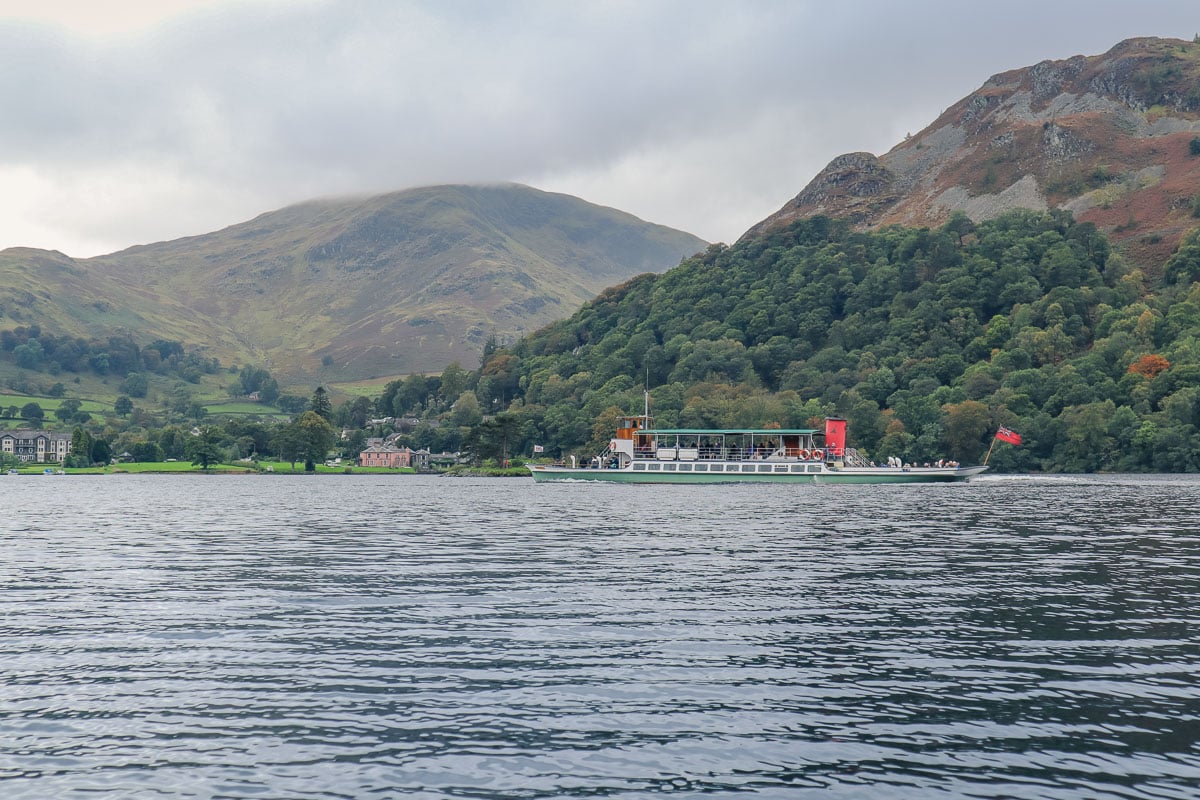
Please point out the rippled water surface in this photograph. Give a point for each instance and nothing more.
(373, 637)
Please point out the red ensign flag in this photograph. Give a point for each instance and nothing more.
(1005, 435)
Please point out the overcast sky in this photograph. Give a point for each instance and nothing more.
(132, 121)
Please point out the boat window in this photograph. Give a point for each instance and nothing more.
(814, 467)
(669, 467)
(764, 467)
(655, 467)
(639, 467)
(731, 467)
(797, 468)
(702, 468)
(781, 467)
(747, 468)
(685, 467)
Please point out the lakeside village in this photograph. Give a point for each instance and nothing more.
(318, 439)
(174, 411)
(44, 451)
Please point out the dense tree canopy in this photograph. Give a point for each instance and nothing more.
(32, 348)
(927, 340)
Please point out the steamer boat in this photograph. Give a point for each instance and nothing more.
(641, 454)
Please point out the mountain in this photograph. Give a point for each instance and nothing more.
(1031, 259)
(1109, 138)
(352, 288)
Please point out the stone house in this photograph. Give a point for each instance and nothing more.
(36, 446)
(385, 455)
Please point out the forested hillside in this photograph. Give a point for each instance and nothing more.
(926, 340)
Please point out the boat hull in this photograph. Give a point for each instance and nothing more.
(862, 475)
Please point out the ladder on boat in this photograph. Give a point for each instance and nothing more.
(852, 458)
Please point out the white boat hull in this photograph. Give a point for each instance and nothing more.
(732, 472)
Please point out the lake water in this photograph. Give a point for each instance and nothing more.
(378, 637)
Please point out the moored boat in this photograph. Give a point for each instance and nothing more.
(641, 454)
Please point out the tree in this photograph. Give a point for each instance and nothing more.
(205, 449)
(1150, 365)
(960, 225)
(245, 446)
(465, 411)
(123, 406)
(454, 381)
(135, 385)
(288, 443)
(101, 451)
(250, 379)
(408, 396)
(355, 444)
(33, 411)
(290, 403)
(320, 404)
(494, 438)
(967, 424)
(81, 447)
(1184, 265)
(67, 409)
(358, 411)
(29, 355)
(173, 442)
(499, 378)
(146, 452)
(269, 391)
(316, 438)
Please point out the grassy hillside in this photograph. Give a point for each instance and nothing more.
(352, 289)
(342, 290)
(69, 297)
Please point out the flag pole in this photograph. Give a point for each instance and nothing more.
(989, 452)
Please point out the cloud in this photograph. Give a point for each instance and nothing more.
(176, 119)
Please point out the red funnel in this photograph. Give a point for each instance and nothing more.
(835, 437)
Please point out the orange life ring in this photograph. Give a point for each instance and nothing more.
(802, 455)
(818, 454)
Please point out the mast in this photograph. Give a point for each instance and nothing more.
(646, 394)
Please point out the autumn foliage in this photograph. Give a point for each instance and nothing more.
(1150, 365)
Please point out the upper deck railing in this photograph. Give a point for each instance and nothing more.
(728, 454)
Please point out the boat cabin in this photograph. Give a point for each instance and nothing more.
(757, 444)
(635, 441)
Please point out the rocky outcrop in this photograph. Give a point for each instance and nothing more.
(854, 186)
(1081, 133)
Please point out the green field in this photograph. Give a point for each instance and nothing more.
(51, 404)
(99, 407)
(178, 467)
(245, 409)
